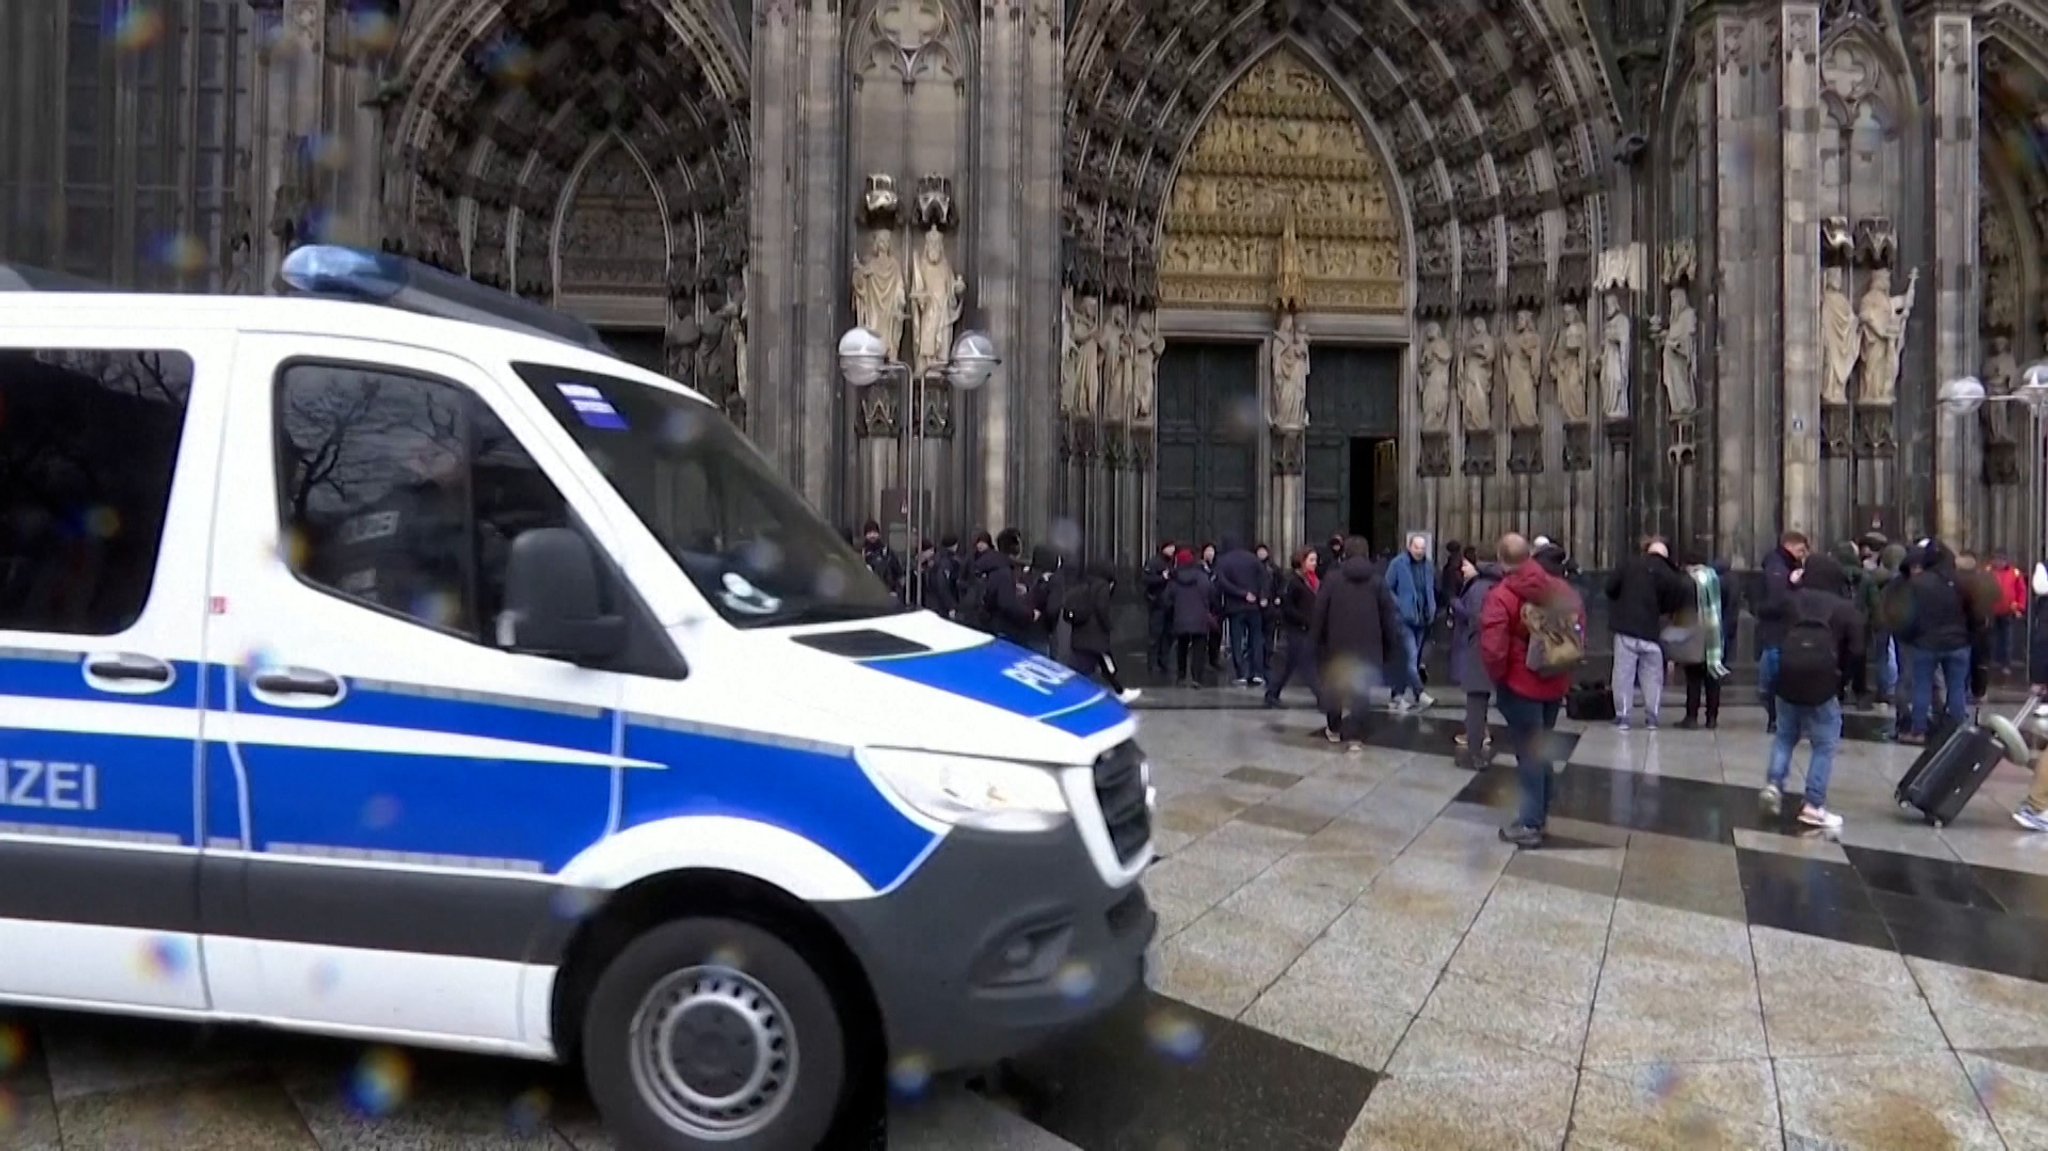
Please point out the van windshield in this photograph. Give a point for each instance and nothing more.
(746, 538)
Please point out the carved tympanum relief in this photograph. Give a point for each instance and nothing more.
(1283, 142)
(612, 239)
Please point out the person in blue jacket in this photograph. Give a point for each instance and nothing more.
(1411, 577)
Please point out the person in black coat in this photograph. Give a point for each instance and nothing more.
(1642, 591)
(999, 585)
(1193, 615)
(1769, 608)
(1820, 596)
(1158, 575)
(1356, 629)
(880, 558)
(1240, 586)
(1086, 609)
(1296, 610)
(1215, 609)
(940, 574)
(1937, 627)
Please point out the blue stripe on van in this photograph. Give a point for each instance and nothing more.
(137, 785)
(377, 704)
(1000, 674)
(819, 794)
(1091, 719)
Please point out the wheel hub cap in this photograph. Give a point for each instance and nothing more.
(713, 1054)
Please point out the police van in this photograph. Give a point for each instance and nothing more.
(387, 660)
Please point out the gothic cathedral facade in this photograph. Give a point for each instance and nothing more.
(1264, 268)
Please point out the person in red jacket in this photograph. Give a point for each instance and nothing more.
(2012, 609)
(1528, 699)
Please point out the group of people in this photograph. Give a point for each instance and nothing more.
(1042, 603)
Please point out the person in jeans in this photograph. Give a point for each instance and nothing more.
(1468, 669)
(1528, 700)
(1770, 617)
(1411, 580)
(1641, 591)
(1355, 630)
(1297, 610)
(1938, 631)
(1810, 697)
(1241, 591)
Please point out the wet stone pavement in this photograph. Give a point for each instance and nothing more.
(1351, 959)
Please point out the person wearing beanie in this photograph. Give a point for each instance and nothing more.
(881, 558)
(1192, 595)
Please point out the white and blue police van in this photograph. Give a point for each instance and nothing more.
(385, 659)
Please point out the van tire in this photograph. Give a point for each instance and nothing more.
(784, 1070)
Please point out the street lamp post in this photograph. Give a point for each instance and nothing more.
(1962, 397)
(864, 361)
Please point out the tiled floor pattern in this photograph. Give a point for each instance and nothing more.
(1351, 959)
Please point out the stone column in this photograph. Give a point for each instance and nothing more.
(1799, 264)
(1017, 261)
(1949, 330)
(800, 412)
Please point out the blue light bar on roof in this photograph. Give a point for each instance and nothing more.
(339, 272)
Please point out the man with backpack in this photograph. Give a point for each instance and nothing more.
(1532, 634)
(1821, 644)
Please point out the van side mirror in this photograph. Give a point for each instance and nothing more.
(554, 599)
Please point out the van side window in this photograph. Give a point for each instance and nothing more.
(88, 445)
(404, 493)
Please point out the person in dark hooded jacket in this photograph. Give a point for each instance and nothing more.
(1769, 608)
(1356, 630)
(1191, 596)
(1241, 591)
(1086, 609)
(1158, 575)
(1822, 596)
(1045, 582)
(998, 583)
(1468, 669)
(1937, 628)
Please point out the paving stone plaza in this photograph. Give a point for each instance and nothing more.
(1351, 959)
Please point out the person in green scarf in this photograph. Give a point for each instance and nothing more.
(1700, 638)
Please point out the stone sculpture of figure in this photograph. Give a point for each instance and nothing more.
(1475, 377)
(1614, 351)
(1292, 287)
(1146, 347)
(1114, 339)
(1084, 386)
(1290, 375)
(1435, 365)
(2001, 376)
(742, 386)
(1070, 352)
(1521, 365)
(1568, 366)
(1838, 343)
(878, 292)
(1681, 331)
(935, 303)
(1883, 318)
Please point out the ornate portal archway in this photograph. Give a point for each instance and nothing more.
(1494, 118)
(592, 155)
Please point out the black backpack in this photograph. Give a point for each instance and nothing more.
(1809, 666)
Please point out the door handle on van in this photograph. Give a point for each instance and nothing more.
(301, 687)
(126, 673)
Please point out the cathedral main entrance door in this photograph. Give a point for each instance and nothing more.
(1350, 470)
(1207, 456)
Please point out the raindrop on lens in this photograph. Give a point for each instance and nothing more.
(180, 252)
(573, 903)
(530, 1111)
(1065, 536)
(381, 1083)
(1076, 980)
(162, 958)
(381, 812)
(10, 1109)
(324, 977)
(14, 1047)
(138, 27)
(1174, 1036)
(910, 1076)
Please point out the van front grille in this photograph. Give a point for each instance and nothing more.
(1120, 790)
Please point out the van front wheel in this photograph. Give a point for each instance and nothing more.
(713, 1033)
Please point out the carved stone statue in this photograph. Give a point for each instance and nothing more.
(1678, 339)
(1522, 365)
(2001, 376)
(878, 292)
(1883, 318)
(1615, 343)
(1147, 345)
(1475, 377)
(1070, 353)
(1292, 286)
(742, 385)
(1568, 365)
(1838, 343)
(935, 303)
(1115, 341)
(1434, 365)
(1290, 375)
(1083, 386)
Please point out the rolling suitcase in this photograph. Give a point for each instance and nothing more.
(1946, 775)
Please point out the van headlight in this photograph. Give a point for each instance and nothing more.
(963, 791)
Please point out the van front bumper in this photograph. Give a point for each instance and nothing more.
(997, 943)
